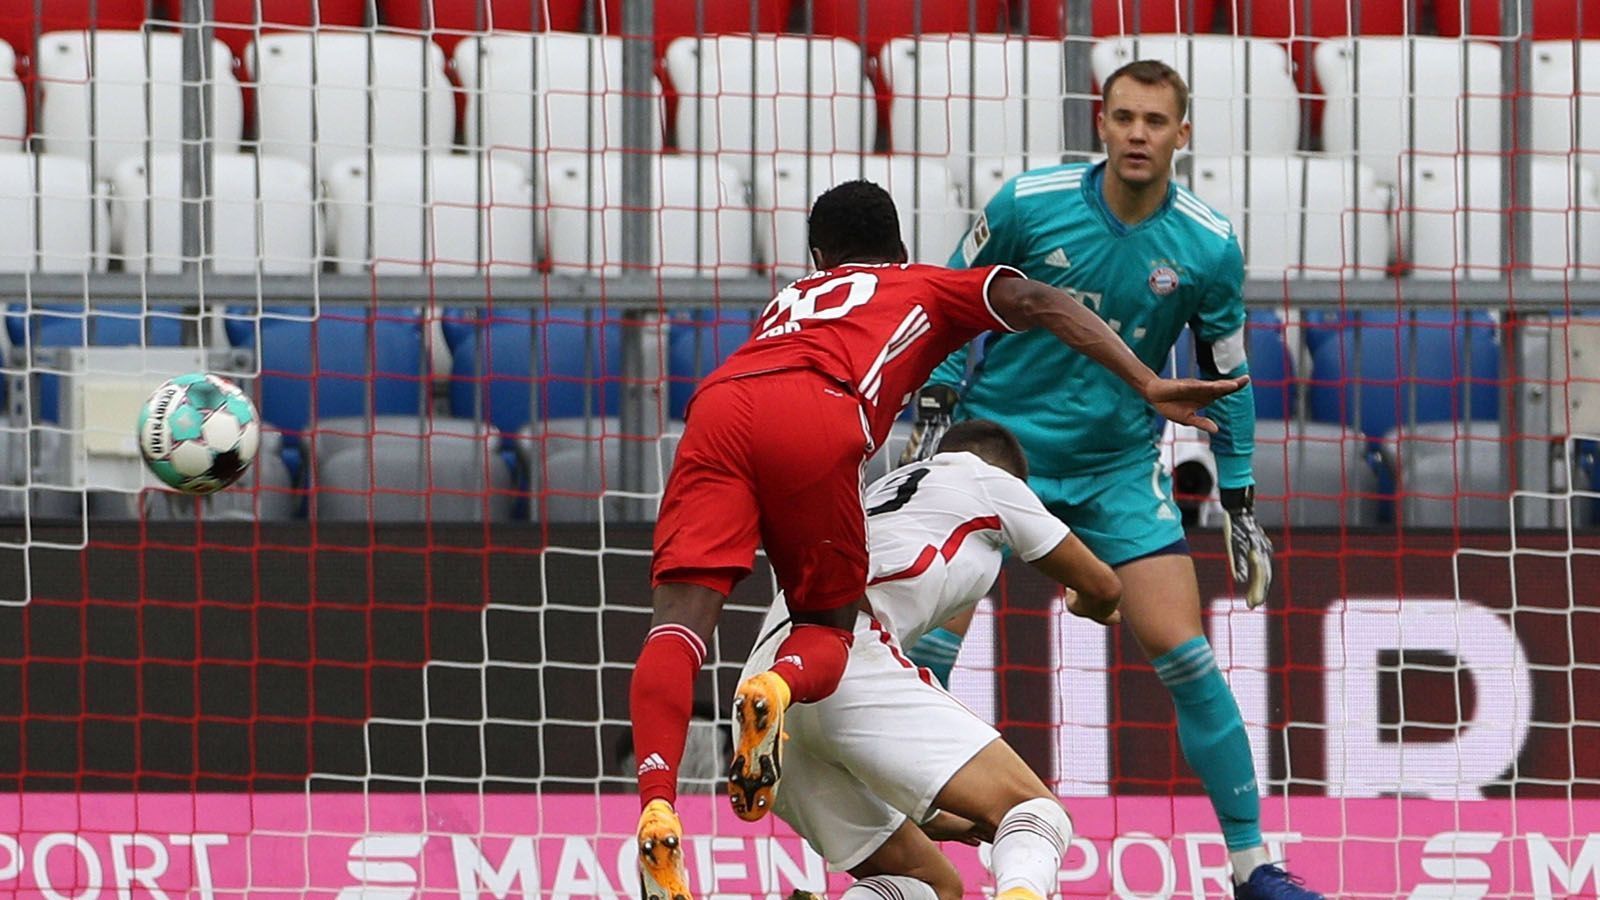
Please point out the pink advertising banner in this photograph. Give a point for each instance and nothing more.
(393, 846)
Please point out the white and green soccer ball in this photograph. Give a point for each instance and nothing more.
(199, 433)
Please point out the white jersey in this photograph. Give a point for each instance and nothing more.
(936, 535)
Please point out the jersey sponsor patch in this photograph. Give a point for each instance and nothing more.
(976, 238)
(1163, 280)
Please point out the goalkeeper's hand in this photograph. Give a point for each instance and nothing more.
(934, 404)
(1249, 551)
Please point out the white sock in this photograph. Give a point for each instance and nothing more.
(1246, 861)
(889, 887)
(1028, 846)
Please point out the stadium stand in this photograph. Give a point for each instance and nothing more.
(263, 214)
(969, 99)
(692, 18)
(135, 96)
(237, 23)
(1314, 474)
(373, 89)
(579, 367)
(55, 215)
(883, 21)
(1114, 17)
(435, 213)
(697, 343)
(409, 469)
(1565, 84)
(448, 22)
(1564, 20)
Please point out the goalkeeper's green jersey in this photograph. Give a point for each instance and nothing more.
(1182, 265)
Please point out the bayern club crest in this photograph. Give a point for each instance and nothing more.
(1163, 280)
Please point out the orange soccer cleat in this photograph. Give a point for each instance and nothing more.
(661, 872)
(758, 709)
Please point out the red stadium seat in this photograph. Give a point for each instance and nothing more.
(1109, 17)
(1324, 18)
(19, 26)
(1552, 21)
(451, 20)
(842, 18)
(254, 17)
(680, 18)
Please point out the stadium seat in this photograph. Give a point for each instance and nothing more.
(136, 95)
(1311, 474)
(1450, 474)
(843, 19)
(931, 217)
(702, 225)
(1559, 21)
(408, 469)
(54, 213)
(13, 104)
(697, 343)
(960, 97)
(348, 365)
(1272, 364)
(431, 213)
(1301, 19)
(1242, 93)
(450, 21)
(1566, 114)
(1303, 216)
(579, 372)
(1452, 217)
(1404, 80)
(263, 215)
(385, 91)
(742, 97)
(537, 92)
(1114, 17)
(238, 22)
(691, 18)
(580, 470)
(988, 175)
(23, 21)
(107, 325)
(1378, 371)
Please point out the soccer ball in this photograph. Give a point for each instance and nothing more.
(198, 433)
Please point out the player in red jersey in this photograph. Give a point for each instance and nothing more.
(772, 455)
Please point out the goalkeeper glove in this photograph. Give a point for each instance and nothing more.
(934, 406)
(1249, 551)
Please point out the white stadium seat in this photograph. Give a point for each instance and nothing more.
(431, 213)
(1453, 216)
(931, 217)
(386, 91)
(136, 93)
(991, 173)
(1566, 114)
(1390, 95)
(702, 226)
(985, 96)
(263, 212)
(1300, 217)
(55, 215)
(1242, 96)
(759, 95)
(550, 91)
(13, 103)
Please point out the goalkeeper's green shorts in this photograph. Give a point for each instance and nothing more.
(1121, 514)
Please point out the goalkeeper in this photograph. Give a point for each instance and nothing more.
(1149, 258)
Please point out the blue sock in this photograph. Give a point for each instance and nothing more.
(1211, 733)
(936, 652)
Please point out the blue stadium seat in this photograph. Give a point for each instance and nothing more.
(580, 367)
(356, 365)
(1370, 371)
(118, 325)
(698, 343)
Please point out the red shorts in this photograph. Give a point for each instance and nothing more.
(776, 460)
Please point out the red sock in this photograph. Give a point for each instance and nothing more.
(660, 702)
(811, 659)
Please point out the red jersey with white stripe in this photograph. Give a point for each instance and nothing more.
(936, 534)
(877, 329)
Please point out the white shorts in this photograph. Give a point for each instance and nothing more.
(876, 751)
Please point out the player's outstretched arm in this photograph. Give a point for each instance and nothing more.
(1098, 590)
(1024, 303)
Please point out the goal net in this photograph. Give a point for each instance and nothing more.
(470, 260)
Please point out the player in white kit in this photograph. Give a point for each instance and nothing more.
(890, 753)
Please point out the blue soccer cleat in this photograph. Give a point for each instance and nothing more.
(1272, 883)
